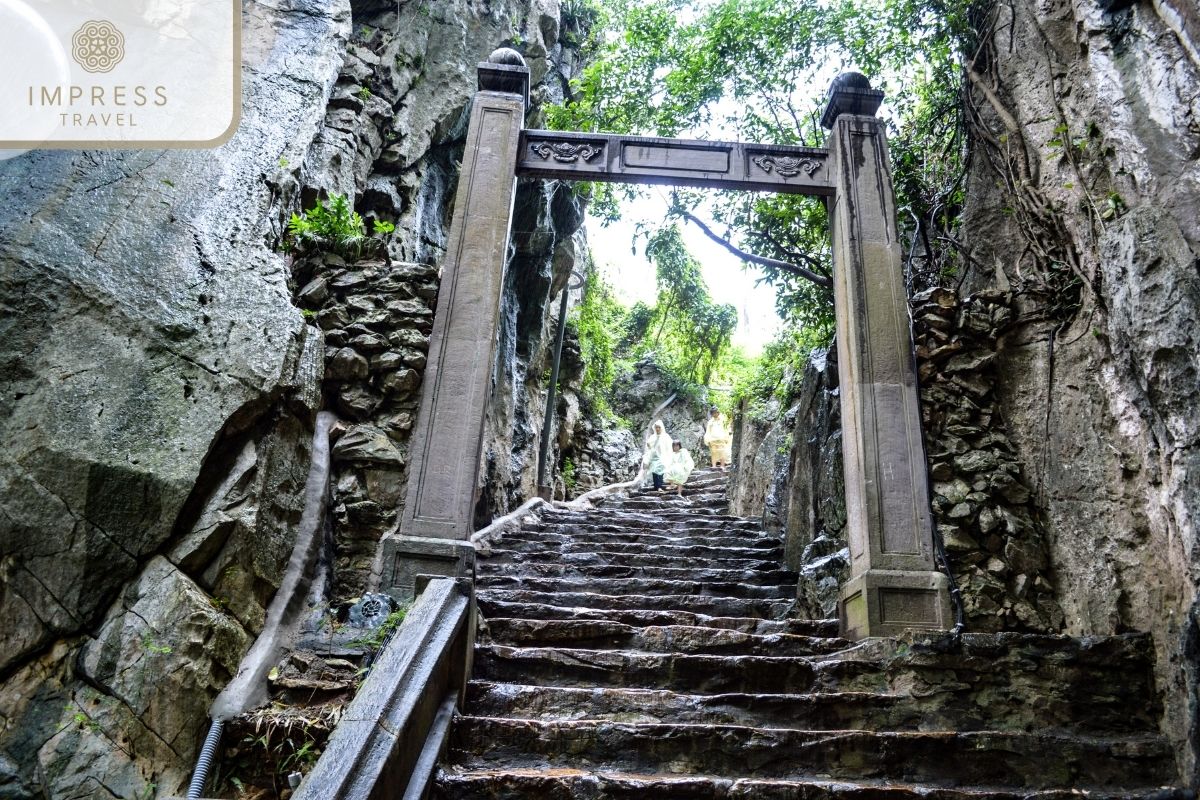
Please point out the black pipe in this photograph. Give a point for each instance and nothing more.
(204, 763)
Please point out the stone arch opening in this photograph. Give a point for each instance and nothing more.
(894, 583)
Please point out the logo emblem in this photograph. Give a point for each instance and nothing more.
(98, 46)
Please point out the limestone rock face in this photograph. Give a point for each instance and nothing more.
(148, 337)
(546, 245)
(1100, 399)
(160, 383)
(788, 471)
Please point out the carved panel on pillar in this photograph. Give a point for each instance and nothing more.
(407, 558)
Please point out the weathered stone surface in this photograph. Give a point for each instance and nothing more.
(150, 341)
(584, 689)
(148, 326)
(569, 784)
(366, 444)
(165, 651)
(980, 497)
(788, 469)
(546, 245)
(347, 364)
(1093, 399)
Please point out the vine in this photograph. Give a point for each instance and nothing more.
(1049, 271)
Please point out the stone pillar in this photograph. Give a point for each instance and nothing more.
(443, 465)
(894, 584)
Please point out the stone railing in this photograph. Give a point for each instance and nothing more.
(388, 741)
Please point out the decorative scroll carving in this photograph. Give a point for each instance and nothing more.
(787, 166)
(566, 152)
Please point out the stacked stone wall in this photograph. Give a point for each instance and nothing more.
(377, 318)
(983, 506)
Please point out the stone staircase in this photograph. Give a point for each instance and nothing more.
(644, 650)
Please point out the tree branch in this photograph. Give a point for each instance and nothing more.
(795, 269)
(813, 263)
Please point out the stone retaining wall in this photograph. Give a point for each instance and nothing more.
(982, 504)
(377, 318)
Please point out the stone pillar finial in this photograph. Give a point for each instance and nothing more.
(850, 93)
(505, 71)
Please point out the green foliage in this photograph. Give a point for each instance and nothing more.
(758, 70)
(686, 330)
(333, 226)
(302, 756)
(151, 646)
(381, 634)
(364, 93)
(568, 474)
(596, 322)
(773, 375)
(81, 719)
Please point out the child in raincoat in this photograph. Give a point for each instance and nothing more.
(679, 467)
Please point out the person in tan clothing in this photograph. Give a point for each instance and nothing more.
(718, 438)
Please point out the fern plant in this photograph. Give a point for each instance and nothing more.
(333, 226)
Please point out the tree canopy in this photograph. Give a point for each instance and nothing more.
(757, 70)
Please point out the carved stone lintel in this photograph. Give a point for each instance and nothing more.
(566, 152)
(787, 166)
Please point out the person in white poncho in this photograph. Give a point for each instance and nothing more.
(679, 467)
(657, 453)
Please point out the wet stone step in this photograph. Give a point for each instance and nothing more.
(569, 569)
(629, 528)
(696, 485)
(834, 710)
(616, 522)
(1081, 698)
(516, 544)
(1101, 682)
(605, 634)
(640, 586)
(533, 560)
(571, 784)
(606, 515)
(667, 509)
(670, 504)
(799, 627)
(706, 489)
(692, 674)
(990, 758)
(600, 541)
(658, 501)
(711, 605)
